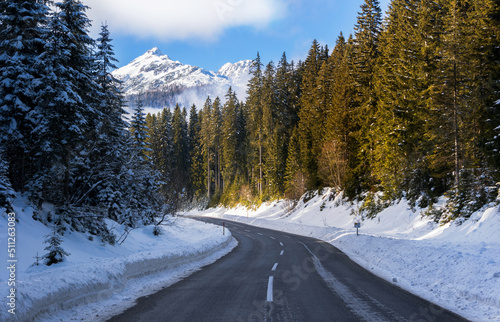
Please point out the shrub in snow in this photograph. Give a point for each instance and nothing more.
(157, 230)
(56, 253)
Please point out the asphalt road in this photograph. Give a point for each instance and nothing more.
(276, 276)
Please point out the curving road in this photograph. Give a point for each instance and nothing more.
(276, 276)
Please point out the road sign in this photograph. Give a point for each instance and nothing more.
(357, 225)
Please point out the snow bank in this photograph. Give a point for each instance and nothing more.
(95, 273)
(454, 266)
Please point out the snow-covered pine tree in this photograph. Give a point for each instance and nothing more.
(55, 253)
(109, 151)
(22, 30)
(64, 108)
(111, 102)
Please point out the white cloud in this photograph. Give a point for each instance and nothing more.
(182, 19)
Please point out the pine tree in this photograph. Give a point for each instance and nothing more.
(400, 85)
(216, 124)
(270, 150)
(65, 104)
(229, 138)
(206, 135)
(23, 28)
(107, 144)
(55, 253)
(180, 152)
(336, 157)
(197, 176)
(296, 177)
(311, 124)
(139, 131)
(161, 147)
(111, 100)
(365, 54)
(255, 126)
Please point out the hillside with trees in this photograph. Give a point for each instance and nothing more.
(63, 139)
(406, 107)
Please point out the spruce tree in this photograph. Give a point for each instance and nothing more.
(65, 105)
(295, 176)
(311, 124)
(336, 159)
(206, 136)
(255, 126)
(400, 87)
(229, 139)
(180, 152)
(365, 55)
(216, 125)
(196, 176)
(55, 253)
(139, 131)
(23, 30)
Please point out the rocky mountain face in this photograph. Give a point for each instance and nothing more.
(162, 82)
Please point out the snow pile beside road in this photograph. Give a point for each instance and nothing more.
(97, 273)
(454, 266)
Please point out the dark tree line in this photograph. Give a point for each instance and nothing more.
(62, 136)
(407, 106)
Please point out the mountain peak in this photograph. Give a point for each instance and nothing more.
(154, 52)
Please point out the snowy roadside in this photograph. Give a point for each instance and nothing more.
(97, 281)
(454, 266)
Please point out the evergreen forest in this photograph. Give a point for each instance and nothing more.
(408, 106)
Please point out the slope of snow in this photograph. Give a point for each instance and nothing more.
(97, 280)
(454, 266)
(239, 73)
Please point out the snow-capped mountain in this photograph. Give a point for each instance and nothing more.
(163, 82)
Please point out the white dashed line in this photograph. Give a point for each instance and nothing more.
(282, 252)
(260, 234)
(274, 267)
(281, 244)
(272, 238)
(270, 289)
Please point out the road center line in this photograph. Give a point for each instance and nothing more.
(270, 289)
(260, 234)
(274, 267)
(272, 238)
(281, 244)
(282, 251)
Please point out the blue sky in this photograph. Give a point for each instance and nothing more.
(210, 33)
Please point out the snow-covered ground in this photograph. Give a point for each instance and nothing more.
(454, 266)
(97, 281)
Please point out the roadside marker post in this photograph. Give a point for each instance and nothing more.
(357, 225)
